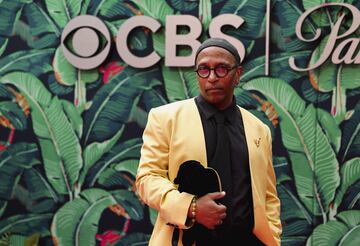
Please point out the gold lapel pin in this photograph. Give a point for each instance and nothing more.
(257, 142)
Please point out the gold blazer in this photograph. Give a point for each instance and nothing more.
(174, 134)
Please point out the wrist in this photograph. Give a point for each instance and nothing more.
(192, 210)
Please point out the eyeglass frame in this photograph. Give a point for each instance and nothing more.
(228, 69)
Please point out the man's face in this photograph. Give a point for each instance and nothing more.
(217, 91)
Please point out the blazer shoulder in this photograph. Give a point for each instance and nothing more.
(173, 108)
(248, 116)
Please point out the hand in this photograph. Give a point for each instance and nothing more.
(208, 212)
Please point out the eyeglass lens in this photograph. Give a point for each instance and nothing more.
(220, 71)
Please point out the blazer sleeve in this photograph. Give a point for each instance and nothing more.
(272, 199)
(152, 181)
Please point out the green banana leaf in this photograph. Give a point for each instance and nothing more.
(245, 99)
(113, 27)
(322, 159)
(286, 44)
(205, 13)
(324, 77)
(5, 93)
(287, 13)
(279, 66)
(116, 175)
(153, 98)
(136, 238)
(56, 88)
(155, 9)
(310, 94)
(313, 161)
(351, 199)
(291, 206)
(60, 148)
(253, 12)
(158, 39)
(68, 75)
(352, 238)
(327, 234)
(138, 42)
(350, 218)
(19, 240)
(308, 4)
(153, 214)
(95, 151)
(3, 205)
(73, 116)
(3, 44)
(334, 78)
(27, 224)
(296, 228)
(13, 161)
(183, 6)
(129, 166)
(36, 61)
(180, 83)
(113, 103)
(282, 169)
(293, 241)
(130, 202)
(43, 31)
(139, 116)
(113, 9)
(342, 232)
(84, 6)
(10, 12)
(42, 205)
(14, 114)
(23, 155)
(350, 77)
(63, 11)
(76, 223)
(111, 180)
(350, 140)
(325, 16)
(38, 187)
(350, 174)
(39, 20)
(129, 149)
(330, 127)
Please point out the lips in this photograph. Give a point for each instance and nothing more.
(214, 89)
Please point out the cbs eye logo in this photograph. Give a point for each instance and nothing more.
(82, 44)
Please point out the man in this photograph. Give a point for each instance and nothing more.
(247, 212)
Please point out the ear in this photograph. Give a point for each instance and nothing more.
(238, 73)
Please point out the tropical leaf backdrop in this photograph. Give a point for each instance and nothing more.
(70, 139)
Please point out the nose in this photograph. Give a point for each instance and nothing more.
(212, 76)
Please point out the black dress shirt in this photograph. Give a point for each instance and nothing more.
(241, 210)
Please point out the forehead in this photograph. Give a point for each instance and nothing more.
(215, 54)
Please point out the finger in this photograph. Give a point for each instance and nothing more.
(223, 216)
(221, 208)
(216, 195)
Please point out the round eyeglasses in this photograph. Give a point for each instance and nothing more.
(220, 71)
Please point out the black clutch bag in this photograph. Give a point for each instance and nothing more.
(198, 180)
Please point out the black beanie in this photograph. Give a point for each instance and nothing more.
(222, 43)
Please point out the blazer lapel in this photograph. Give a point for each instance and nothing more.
(251, 140)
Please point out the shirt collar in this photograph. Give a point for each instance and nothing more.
(231, 113)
